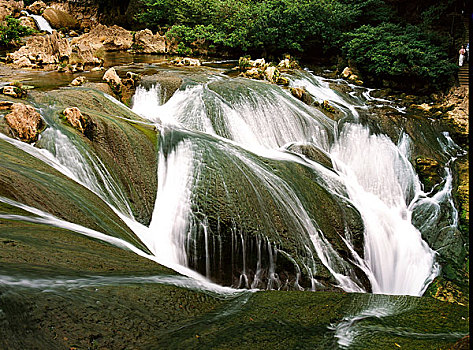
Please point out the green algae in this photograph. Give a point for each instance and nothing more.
(122, 140)
(29, 181)
(156, 316)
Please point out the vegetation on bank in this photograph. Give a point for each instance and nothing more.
(409, 44)
(11, 32)
(369, 33)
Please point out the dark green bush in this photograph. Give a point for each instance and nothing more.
(368, 32)
(392, 51)
(12, 31)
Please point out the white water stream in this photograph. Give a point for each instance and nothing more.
(376, 174)
(41, 22)
(371, 173)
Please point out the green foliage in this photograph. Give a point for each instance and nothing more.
(393, 51)
(12, 31)
(365, 31)
(158, 13)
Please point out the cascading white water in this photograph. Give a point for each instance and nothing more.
(371, 172)
(379, 179)
(61, 153)
(167, 232)
(319, 88)
(145, 101)
(41, 22)
(256, 119)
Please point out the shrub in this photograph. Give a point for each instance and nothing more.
(392, 51)
(11, 33)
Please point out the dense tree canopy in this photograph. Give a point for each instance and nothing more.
(368, 32)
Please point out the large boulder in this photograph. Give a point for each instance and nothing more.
(41, 51)
(25, 122)
(59, 19)
(146, 42)
(49, 51)
(83, 53)
(113, 38)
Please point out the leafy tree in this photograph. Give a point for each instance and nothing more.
(368, 32)
(393, 51)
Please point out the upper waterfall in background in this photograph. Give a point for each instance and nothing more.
(41, 22)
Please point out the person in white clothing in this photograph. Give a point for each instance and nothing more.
(462, 53)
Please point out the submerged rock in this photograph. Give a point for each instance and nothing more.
(25, 122)
(168, 84)
(186, 61)
(78, 81)
(313, 153)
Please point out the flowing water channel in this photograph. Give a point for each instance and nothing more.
(245, 122)
(258, 190)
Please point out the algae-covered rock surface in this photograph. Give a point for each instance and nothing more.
(124, 142)
(123, 314)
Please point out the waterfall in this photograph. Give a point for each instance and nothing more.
(41, 22)
(237, 203)
(170, 222)
(371, 172)
(381, 183)
(60, 152)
